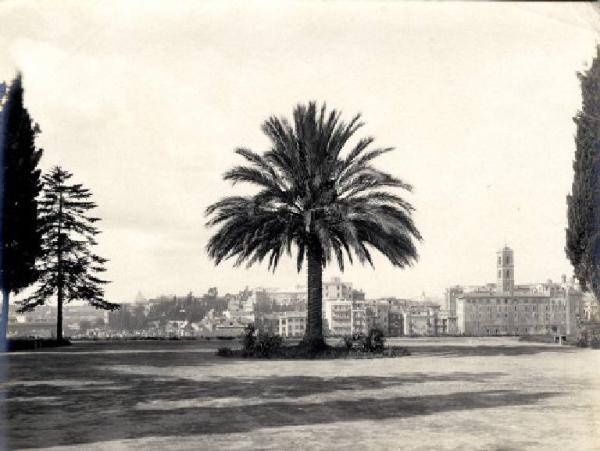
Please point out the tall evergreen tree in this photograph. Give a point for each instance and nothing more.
(20, 186)
(583, 232)
(327, 204)
(67, 268)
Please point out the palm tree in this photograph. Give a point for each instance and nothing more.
(312, 197)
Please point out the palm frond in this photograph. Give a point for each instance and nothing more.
(310, 193)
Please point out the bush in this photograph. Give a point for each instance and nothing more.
(595, 342)
(268, 344)
(249, 339)
(374, 341)
(260, 344)
(224, 352)
(348, 342)
(582, 340)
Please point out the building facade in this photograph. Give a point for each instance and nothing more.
(337, 317)
(292, 324)
(509, 309)
(517, 314)
(338, 290)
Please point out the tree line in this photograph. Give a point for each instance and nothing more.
(48, 232)
(186, 308)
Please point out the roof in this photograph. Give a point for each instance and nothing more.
(504, 295)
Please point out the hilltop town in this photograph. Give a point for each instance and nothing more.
(491, 309)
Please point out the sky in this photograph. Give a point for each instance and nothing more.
(145, 103)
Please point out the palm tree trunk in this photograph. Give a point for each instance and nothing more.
(4, 320)
(313, 338)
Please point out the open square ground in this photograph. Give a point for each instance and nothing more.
(451, 394)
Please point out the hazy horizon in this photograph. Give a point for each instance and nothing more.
(145, 103)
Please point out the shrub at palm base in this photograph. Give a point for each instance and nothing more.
(374, 341)
(258, 344)
(589, 339)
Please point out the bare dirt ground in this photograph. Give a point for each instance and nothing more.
(451, 394)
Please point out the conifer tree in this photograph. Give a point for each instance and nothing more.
(67, 268)
(583, 232)
(20, 185)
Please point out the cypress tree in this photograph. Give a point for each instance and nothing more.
(583, 232)
(21, 184)
(67, 267)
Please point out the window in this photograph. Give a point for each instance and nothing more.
(499, 261)
(499, 273)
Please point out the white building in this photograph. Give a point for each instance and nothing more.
(337, 316)
(292, 324)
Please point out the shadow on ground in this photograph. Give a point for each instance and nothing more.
(43, 415)
(486, 350)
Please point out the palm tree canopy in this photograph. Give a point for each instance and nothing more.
(311, 194)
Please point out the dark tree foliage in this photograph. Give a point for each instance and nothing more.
(128, 318)
(325, 204)
(67, 268)
(583, 232)
(188, 308)
(20, 186)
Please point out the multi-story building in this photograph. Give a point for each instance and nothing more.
(336, 289)
(294, 299)
(337, 307)
(395, 323)
(398, 317)
(378, 316)
(421, 320)
(510, 309)
(450, 297)
(292, 324)
(337, 316)
(240, 310)
(358, 318)
(447, 323)
(517, 314)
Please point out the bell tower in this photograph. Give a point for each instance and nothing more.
(505, 270)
